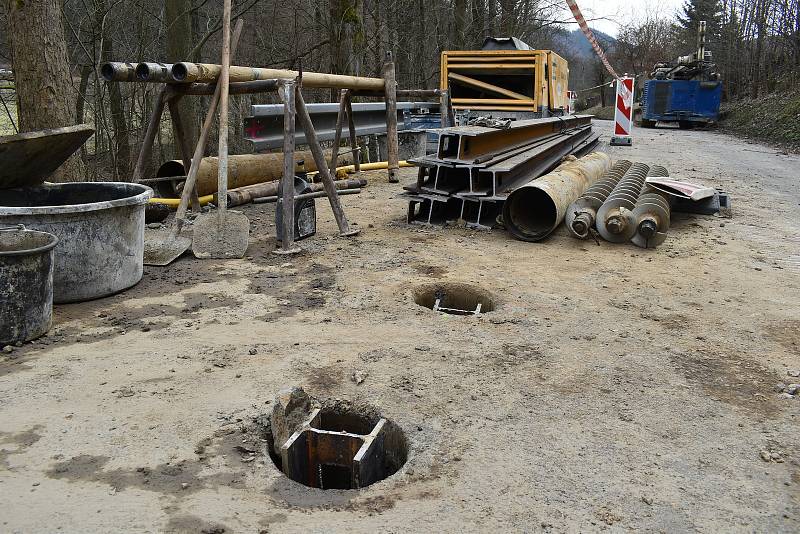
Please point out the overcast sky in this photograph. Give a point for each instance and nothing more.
(615, 12)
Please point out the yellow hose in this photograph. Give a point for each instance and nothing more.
(173, 202)
(378, 165)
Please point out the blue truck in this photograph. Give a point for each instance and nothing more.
(687, 91)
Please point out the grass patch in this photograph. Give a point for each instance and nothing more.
(772, 118)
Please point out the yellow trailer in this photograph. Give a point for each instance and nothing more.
(527, 81)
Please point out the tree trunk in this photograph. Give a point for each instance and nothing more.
(178, 30)
(122, 148)
(460, 18)
(45, 95)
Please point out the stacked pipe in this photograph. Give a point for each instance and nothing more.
(651, 215)
(193, 73)
(477, 167)
(582, 213)
(614, 222)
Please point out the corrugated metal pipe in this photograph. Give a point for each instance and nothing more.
(534, 210)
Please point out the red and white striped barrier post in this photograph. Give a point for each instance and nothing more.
(623, 112)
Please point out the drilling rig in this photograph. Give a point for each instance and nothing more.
(687, 91)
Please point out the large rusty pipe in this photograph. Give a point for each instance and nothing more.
(243, 169)
(116, 71)
(186, 72)
(533, 211)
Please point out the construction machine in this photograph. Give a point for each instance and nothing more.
(687, 91)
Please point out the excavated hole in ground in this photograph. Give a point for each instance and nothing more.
(455, 298)
(325, 460)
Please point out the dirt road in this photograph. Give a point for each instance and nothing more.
(612, 388)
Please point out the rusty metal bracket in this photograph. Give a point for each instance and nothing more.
(320, 456)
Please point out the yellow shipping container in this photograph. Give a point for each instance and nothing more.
(532, 81)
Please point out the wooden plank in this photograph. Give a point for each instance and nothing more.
(472, 82)
(496, 108)
(492, 66)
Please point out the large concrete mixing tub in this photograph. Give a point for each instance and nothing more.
(99, 225)
(100, 230)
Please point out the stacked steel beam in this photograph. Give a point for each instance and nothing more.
(477, 167)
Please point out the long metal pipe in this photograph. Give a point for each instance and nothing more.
(154, 72)
(304, 196)
(186, 72)
(245, 195)
(534, 210)
(116, 71)
(238, 88)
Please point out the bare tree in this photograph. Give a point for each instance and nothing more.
(45, 95)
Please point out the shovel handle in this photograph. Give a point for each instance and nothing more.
(191, 178)
(223, 83)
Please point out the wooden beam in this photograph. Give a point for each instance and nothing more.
(322, 166)
(492, 101)
(472, 82)
(492, 66)
(392, 141)
(288, 94)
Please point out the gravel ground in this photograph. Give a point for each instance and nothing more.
(612, 388)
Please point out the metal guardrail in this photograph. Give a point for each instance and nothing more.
(265, 127)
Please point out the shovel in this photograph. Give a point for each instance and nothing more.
(224, 234)
(165, 251)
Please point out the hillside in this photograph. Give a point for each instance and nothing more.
(773, 118)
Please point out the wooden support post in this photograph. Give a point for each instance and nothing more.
(154, 122)
(322, 167)
(337, 135)
(392, 143)
(287, 92)
(352, 127)
(183, 144)
(444, 108)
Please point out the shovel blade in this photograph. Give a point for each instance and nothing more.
(164, 251)
(222, 235)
